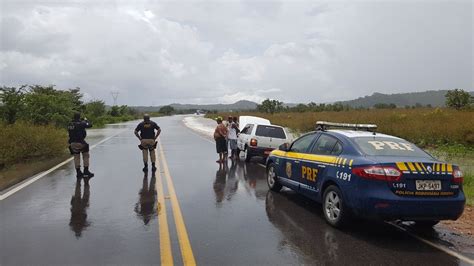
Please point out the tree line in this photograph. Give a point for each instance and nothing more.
(457, 99)
(46, 105)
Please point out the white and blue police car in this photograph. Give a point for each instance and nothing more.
(354, 171)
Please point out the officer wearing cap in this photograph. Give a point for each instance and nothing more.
(78, 145)
(145, 132)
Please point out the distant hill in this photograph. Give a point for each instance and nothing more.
(237, 106)
(240, 105)
(435, 98)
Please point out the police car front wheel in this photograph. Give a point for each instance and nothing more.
(272, 179)
(334, 207)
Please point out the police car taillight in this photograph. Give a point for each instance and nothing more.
(378, 173)
(458, 176)
(253, 142)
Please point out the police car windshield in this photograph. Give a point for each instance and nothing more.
(383, 146)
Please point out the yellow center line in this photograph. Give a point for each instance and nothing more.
(184, 243)
(165, 243)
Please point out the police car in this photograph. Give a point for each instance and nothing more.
(354, 171)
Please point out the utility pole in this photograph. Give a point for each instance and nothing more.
(115, 95)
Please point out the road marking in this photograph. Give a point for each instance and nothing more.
(184, 243)
(35, 178)
(163, 229)
(434, 245)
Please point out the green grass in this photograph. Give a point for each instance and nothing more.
(469, 187)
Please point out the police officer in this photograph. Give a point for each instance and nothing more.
(148, 138)
(78, 145)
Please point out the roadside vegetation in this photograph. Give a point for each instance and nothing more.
(447, 133)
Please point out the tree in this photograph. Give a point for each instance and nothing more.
(115, 111)
(47, 105)
(12, 103)
(167, 110)
(385, 106)
(457, 98)
(124, 110)
(301, 108)
(270, 106)
(95, 109)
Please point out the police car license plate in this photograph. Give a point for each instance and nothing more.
(428, 185)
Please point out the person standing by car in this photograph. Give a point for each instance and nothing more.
(145, 132)
(237, 131)
(227, 124)
(220, 134)
(78, 145)
(232, 138)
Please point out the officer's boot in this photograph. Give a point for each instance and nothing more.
(153, 167)
(87, 173)
(79, 174)
(145, 168)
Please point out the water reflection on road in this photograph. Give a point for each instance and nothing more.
(235, 173)
(145, 207)
(79, 206)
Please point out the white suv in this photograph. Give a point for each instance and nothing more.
(258, 137)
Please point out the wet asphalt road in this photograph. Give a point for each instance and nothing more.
(230, 217)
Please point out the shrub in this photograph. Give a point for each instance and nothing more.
(21, 142)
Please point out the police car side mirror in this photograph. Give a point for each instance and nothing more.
(284, 147)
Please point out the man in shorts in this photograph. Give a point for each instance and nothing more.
(220, 134)
(145, 132)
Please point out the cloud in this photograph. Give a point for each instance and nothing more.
(202, 52)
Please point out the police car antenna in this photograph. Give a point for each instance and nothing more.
(324, 125)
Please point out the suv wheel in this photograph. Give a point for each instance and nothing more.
(272, 178)
(334, 207)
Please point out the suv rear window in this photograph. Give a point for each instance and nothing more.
(382, 146)
(271, 132)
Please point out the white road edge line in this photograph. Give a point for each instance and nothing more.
(434, 245)
(35, 178)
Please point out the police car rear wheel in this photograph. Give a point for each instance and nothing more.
(271, 179)
(333, 207)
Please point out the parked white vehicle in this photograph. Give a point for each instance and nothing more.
(258, 137)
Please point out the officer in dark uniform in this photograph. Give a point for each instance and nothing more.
(147, 139)
(78, 145)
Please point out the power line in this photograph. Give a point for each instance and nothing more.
(115, 95)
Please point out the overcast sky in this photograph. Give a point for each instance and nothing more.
(157, 52)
